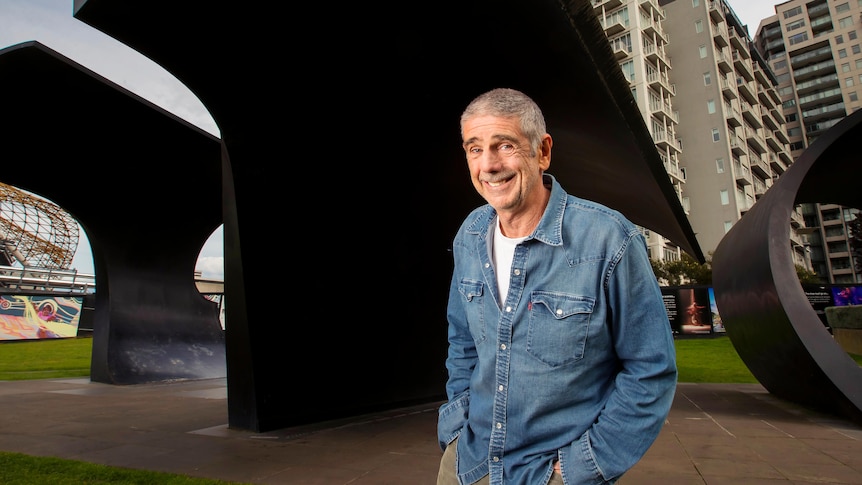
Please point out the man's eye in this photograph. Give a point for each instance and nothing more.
(507, 147)
(474, 150)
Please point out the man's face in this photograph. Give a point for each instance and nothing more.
(501, 167)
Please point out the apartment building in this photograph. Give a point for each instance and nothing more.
(814, 49)
(730, 121)
(634, 29)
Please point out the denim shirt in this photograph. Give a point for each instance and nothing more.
(578, 364)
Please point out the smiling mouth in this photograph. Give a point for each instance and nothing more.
(497, 183)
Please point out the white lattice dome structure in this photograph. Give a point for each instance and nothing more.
(35, 232)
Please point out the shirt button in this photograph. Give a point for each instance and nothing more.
(517, 272)
(503, 346)
(499, 425)
(487, 264)
(508, 309)
(500, 387)
(559, 312)
(496, 458)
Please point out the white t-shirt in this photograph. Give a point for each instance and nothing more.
(503, 250)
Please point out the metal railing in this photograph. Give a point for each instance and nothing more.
(16, 279)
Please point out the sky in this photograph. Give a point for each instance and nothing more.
(751, 12)
(51, 23)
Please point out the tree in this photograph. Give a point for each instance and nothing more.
(806, 276)
(685, 270)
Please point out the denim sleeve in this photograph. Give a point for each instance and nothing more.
(645, 384)
(460, 362)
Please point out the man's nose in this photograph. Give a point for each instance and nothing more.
(490, 161)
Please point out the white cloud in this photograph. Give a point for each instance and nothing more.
(211, 267)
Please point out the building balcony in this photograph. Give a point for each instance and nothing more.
(723, 60)
(598, 5)
(716, 14)
(614, 26)
(759, 167)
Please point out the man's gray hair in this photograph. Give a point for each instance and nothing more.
(510, 103)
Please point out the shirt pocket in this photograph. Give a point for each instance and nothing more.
(559, 325)
(472, 292)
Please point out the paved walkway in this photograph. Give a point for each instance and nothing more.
(716, 434)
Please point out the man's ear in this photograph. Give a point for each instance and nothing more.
(545, 152)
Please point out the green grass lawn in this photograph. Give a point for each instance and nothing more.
(712, 360)
(43, 359)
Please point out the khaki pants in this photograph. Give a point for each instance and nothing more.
(447, 476)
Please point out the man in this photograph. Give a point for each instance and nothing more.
(561, 360)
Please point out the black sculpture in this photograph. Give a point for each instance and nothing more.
(145, 185)
(339, 127)
(768, 318)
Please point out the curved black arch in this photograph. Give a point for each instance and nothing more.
(378, 114)
(768, 318)
(376, 89)
(144, 185)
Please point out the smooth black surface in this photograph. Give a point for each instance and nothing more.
(344, 180)
(145, 187)
(762, 304)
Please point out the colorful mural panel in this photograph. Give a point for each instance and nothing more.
(25, 317)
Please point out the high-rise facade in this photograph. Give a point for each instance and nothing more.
(712, 106)
(637, 37)
(815, 50)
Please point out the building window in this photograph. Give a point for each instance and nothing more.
(845, 67)
(725, 198)
(793, 132)
(853, 96)
(845, 23)
(851, 35)
(839, 39)
(796, 24)
(695, 3)
(855, 48)
(628, 68)
(719, 165)
(698, 26)
(792, 12)
(727, 226)
(622, 43)
(842, 53)
(779, 64)
(710, 105)
(707, 78)
(795, 39)
(848, 82)
(716, 136)
(702, 51)
(858, 63)
(844, 7)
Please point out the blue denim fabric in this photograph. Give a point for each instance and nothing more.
(578, 364)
